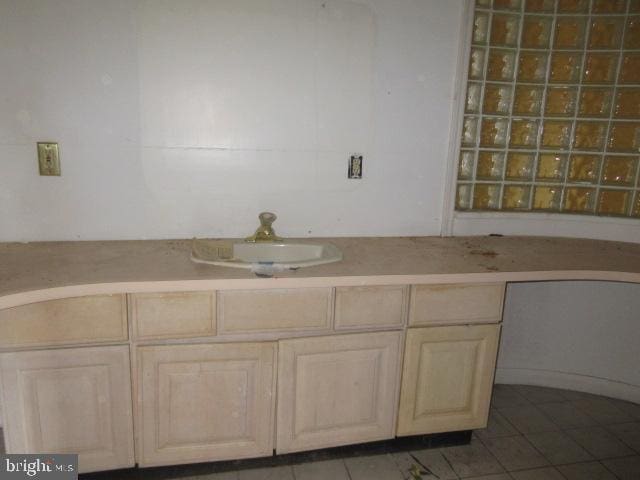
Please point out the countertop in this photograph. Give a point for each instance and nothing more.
(38, 271)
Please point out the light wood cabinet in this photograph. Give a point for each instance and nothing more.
(447, 378)
(370, 306)
(337, 390)
(206, 402)
(70, 401)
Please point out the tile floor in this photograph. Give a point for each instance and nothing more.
(534, 433)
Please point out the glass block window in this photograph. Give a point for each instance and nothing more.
(552, 113)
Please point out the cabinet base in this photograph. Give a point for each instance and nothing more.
(398, 444)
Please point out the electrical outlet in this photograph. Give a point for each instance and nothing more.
(355, 167)
(48, 159)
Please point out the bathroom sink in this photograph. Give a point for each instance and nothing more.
(265, 257)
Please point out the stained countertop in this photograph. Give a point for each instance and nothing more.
(44, 270)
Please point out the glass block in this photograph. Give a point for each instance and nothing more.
(476, 63)
(632, 35)
(516, 197)
(561, 101)
(619, 170)
(635, 211)
(527, 100)
(493, 132)
(573, 6)
(614, 202)
(497, 99)
(507, 4)
(483, 3)
(504, 30)
(469, 131)
(474, 91)
(630, 68)
(551, 167)
(609, 6)
(535, 32)
(605, 33)
(481, 28)
(532, 67)
(463, 196)
(547, 198)
(501, 65)
(627, 103)
(589, 135)
(624, 137)
(486, 196)
(541, 6)
(524, 133)
(565, 67)
(579, 200)
(600, 67)
(634, 6)
(465, 166)
(570, 33)
(595, 102)
(556, 134)
(490, 165)
(584, 168)
(519, 166)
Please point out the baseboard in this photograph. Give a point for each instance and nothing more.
(569, 381)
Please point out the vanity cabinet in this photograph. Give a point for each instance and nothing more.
(447, 378)
(337, 390)
(70, 401)
(208, 402)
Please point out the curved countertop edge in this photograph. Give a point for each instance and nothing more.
(154, 286)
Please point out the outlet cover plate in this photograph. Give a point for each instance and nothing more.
(48, 159)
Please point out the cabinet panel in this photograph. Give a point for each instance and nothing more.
(206, 402)
(246, 311)
(98, 318)
(173, 315)
(461, 304)
(447, 378)
(366, 307)
(336, 390)
(70, 401)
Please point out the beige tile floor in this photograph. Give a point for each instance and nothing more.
(534, 433)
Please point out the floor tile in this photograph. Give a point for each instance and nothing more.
(497, 476)
(472, 460)
(273, 473)
(330, 469)
(435, 463)
(632, 409)
(603, 411)
(515, 453)
(558, 448)
(498, 426)
(538, 395)
(629, 433)
(565, 415)
(627, 468)
(599, 442)
(548, 473)
(586, 471)
(506, 396)
(528, 419)
(376, 467)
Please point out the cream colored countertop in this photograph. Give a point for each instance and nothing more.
(31, 272)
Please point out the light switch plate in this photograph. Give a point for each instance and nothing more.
(48, 158)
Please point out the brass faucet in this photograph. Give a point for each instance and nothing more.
(264, 233)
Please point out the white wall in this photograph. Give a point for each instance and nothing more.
(188, 118)
(575, 335)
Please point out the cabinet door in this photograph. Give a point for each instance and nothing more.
(70, 401)
(337, 390)
(206, 402)
(447, 378)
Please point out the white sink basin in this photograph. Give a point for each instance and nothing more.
(264, 257)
